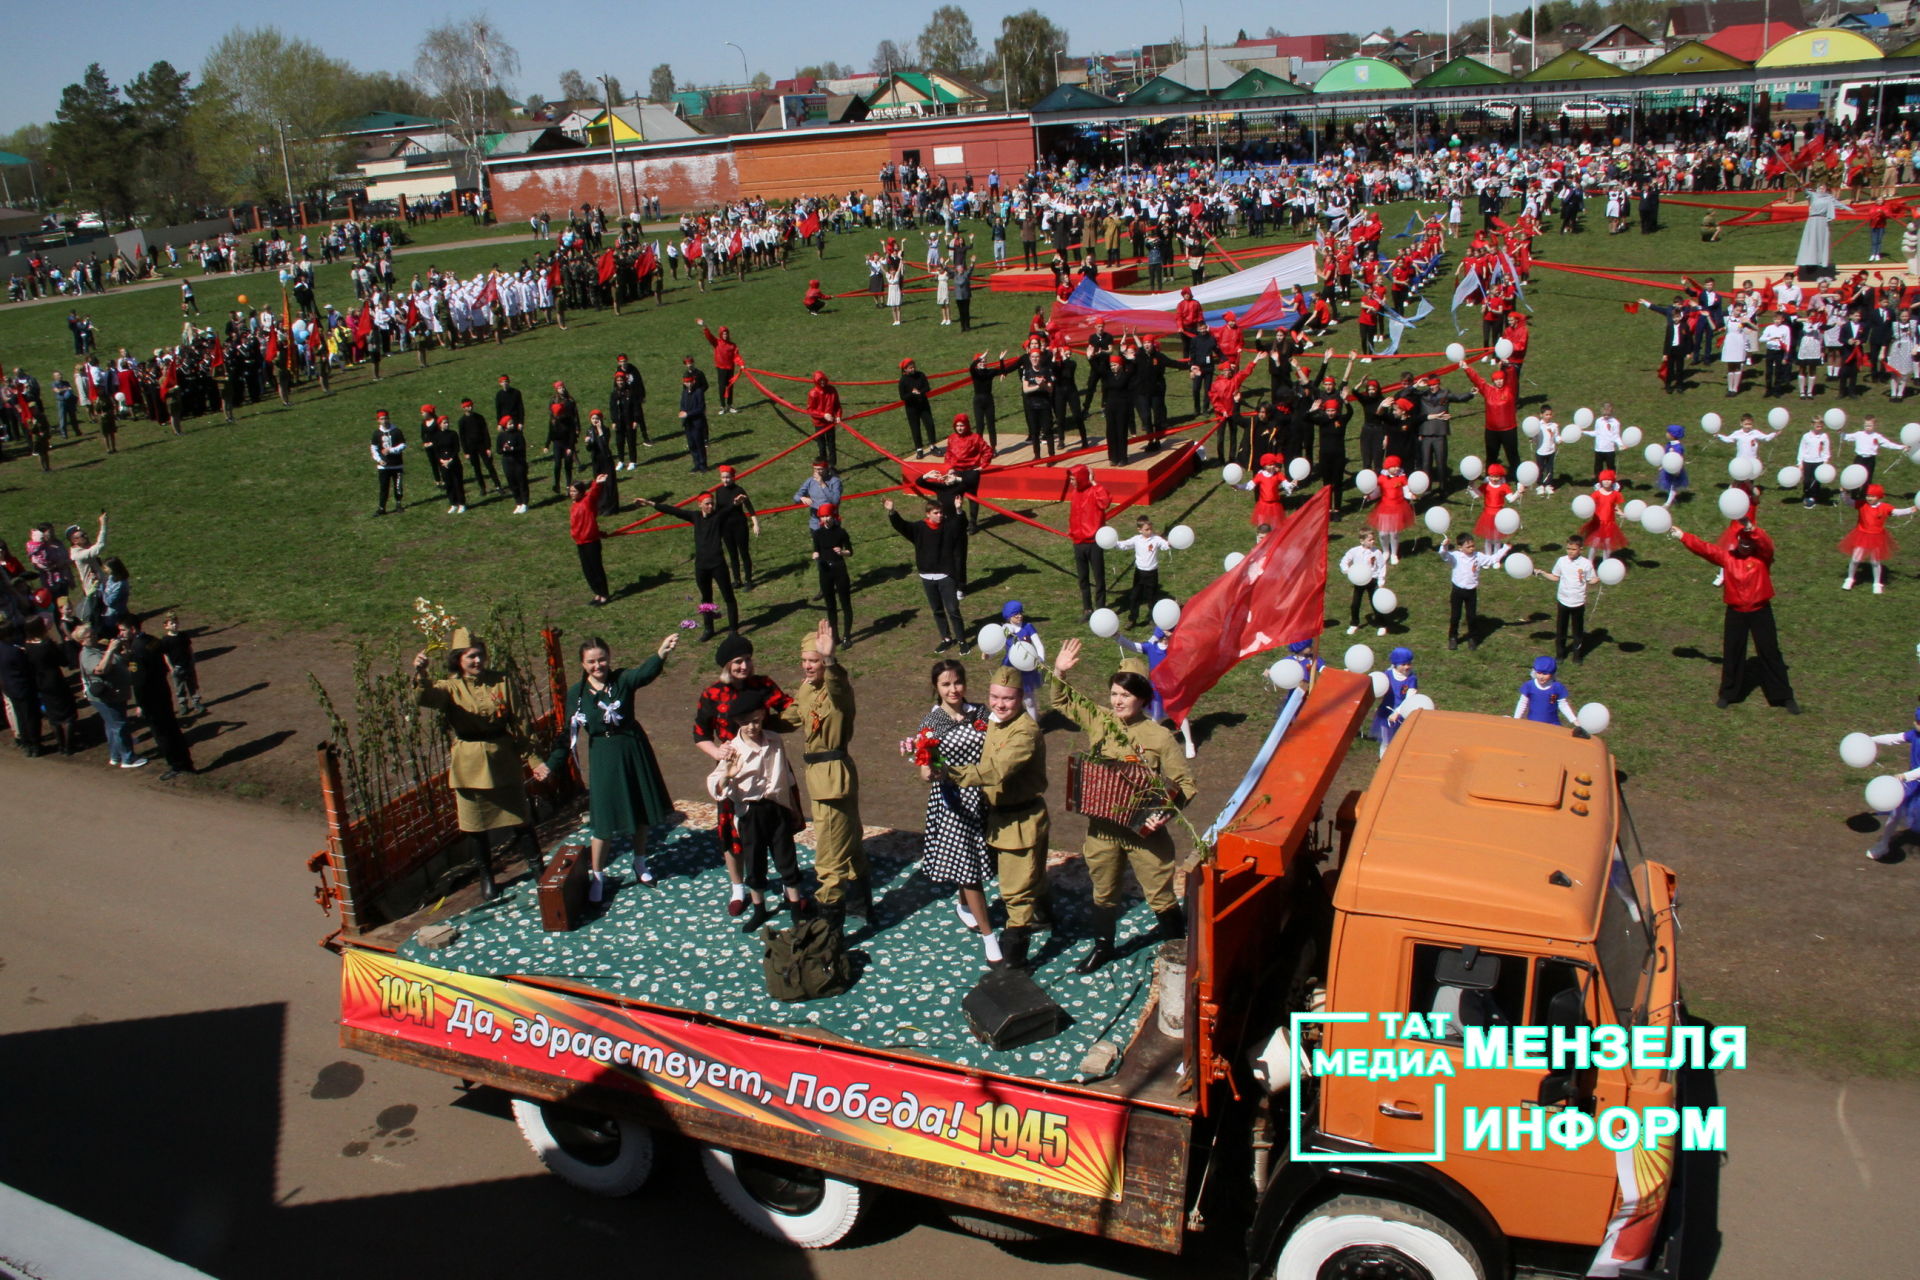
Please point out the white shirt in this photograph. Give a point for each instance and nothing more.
(1465, 569)
(1547, 443)
(1146, 549)
(1816, 446)
(1776, 337)
(1372, 559)
(1868, 444)
(1746, 440)
(1606, 434)
(1573, 573)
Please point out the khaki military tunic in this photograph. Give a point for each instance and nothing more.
(1012, 776)
(487, 761)
(824, 714)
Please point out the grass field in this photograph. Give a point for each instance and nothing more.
(268, 522)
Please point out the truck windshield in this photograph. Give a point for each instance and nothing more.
(1625, 944)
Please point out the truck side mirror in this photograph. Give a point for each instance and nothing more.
(1556, 1089)
(1567, 1009)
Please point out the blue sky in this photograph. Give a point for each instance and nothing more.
(625, 39)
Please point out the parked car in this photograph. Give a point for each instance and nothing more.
(1588, 111)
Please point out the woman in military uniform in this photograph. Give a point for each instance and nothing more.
(487, 761)
(625, 792)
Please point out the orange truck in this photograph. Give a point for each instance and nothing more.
(1278, 1082)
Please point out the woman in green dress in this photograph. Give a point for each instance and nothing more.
(626, 793)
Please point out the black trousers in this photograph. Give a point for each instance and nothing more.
(394, 480)
(1463, 601)
(1067, 414)
(965, 307)
(517, 480)
(1090, 566)
(1779, 371)
(626, 442)
(1362, 595)
(168, 738)
(1602, 462)
(944, 599)
(453, 479)
(723, 380)
(562, 462)
(1756, 625)
(739, 546)
(920, 423)
(594, 567)
(1503, 446)
(986, 420)
(1039, 413)
(1676, 362)
(1569, 620)
(711, 578)
(1145, 592)
(766, 827)
(695, 430)
(836, 591)
(1433, 461)
(482, 466)
(1118, 411)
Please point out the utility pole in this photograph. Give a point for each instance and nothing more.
(613, 147)
(286, 169)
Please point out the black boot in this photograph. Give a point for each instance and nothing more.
(1172, 922)
(835, 915)
(1013, 945)
(857, 899)
(477, 846)
(1102, 952)
(530, 845)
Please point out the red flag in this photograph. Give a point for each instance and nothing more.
(1631, 308)
(168, 379)
(1276, 596)
(273, 345)
(553, 274)
(1815, 147)
(605, 266)
(219, 355)
(317, 337)
(363, 323)
(737, 246)
(810, 225)
(647, 264)
(413, 313)
(489, 293)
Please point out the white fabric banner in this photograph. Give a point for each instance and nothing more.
(1287, 270)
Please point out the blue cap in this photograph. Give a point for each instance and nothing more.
(1010, 608)
(1399, 655)
(1300, 646)
(1545, 666)
(1676, 431)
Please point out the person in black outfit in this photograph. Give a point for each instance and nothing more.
(388, 448)
(18, 685)
(511, 445)
(739, 524)
(475, 444)
(602, 458)
(627, 407)
(982, 372)
(507, 402)
(1676, 340)
(563, 433)
(1036, 397)
(936, 542)
(153, 692)
(1150, 392)
(709, 558)
(1373, 428)
(1203, 353)
(693, 416)
(831, 547)
(49, 659)
(915, 393)
(1066, 397)
(1330, 412)
(1115, 376)
(1099, 342)
(444, 448)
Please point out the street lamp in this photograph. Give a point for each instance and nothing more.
(743, 61)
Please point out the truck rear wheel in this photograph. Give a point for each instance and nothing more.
(783, 1201)
(1358, 1236)
(993, 1227)
(603, 1154)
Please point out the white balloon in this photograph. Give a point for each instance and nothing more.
(1656, 520)
(1913, 455)
(1582, 506)
(1507, 521)
(1593, 717)
(1612, 572)
(1858, 750)
(1778, 417)
(1384, 601)
(1360, 575)
(1674, 463)
(1910, 435)
(1519, 566)
(1418, 483)
(1655, 455)
(1884, 793)
(1470, 467)
(1527, 474)
(1022, 656)
(1105, 538)
(1166, 613)
(1180, 537)
(1298, 470)
(1287, 673)
(1233, 559)
(1583, 418)
(1456, 354)
(1789, 477)
(1233, 473)
(1438, 518)
(1835, 418)
(1631, 438)
(1737, 468)
(1734, 504)
(1359, 659)
(1571, 435)
(1102, 622)
(1379, 679)
(1530, 425)
(1366, 481)
(1854, 477)
(1634, 510)
(1826, 473)
(1710, 423)
(993, 637)
(1502, 349)
(1415, 701)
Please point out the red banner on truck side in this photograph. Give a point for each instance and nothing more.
(989, 1126)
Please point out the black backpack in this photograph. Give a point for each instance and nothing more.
(806, 962)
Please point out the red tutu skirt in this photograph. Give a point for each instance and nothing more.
(1606, 537)
(1268, 513)
(1877, 543)
(1391, 517)
(1485, 529)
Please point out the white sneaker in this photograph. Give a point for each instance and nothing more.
(1847, 585)
(463, 511)
(138, 762)
(966, 916)
(1393, 560)
(453, 511)
(1382, 631)
(1352, 630)
(1877, 588)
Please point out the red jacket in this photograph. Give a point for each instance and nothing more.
(726, 352)
(1189, 316)
(1749, 579)
(583, 518)
(968, 452)
(1502, 402)
(823, 404)
(1087, 505)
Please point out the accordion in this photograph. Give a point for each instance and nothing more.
(1125, 792)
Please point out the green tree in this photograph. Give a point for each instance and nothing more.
(1028, 44)
(660, 83)
(93, 134)
(948, 41)
(271, 107)
(574, 86)
(464, 68)
(168, 179)
(761, 80)
(388, 91)
(890, 56)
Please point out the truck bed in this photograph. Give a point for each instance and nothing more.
(674, 947)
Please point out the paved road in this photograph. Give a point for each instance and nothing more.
(172, 1070)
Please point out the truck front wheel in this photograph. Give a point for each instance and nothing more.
(602, 1154)
(1357, 1236)
(788, 1202)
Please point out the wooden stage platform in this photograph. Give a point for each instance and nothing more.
(1019, 280)
(1144, 478)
